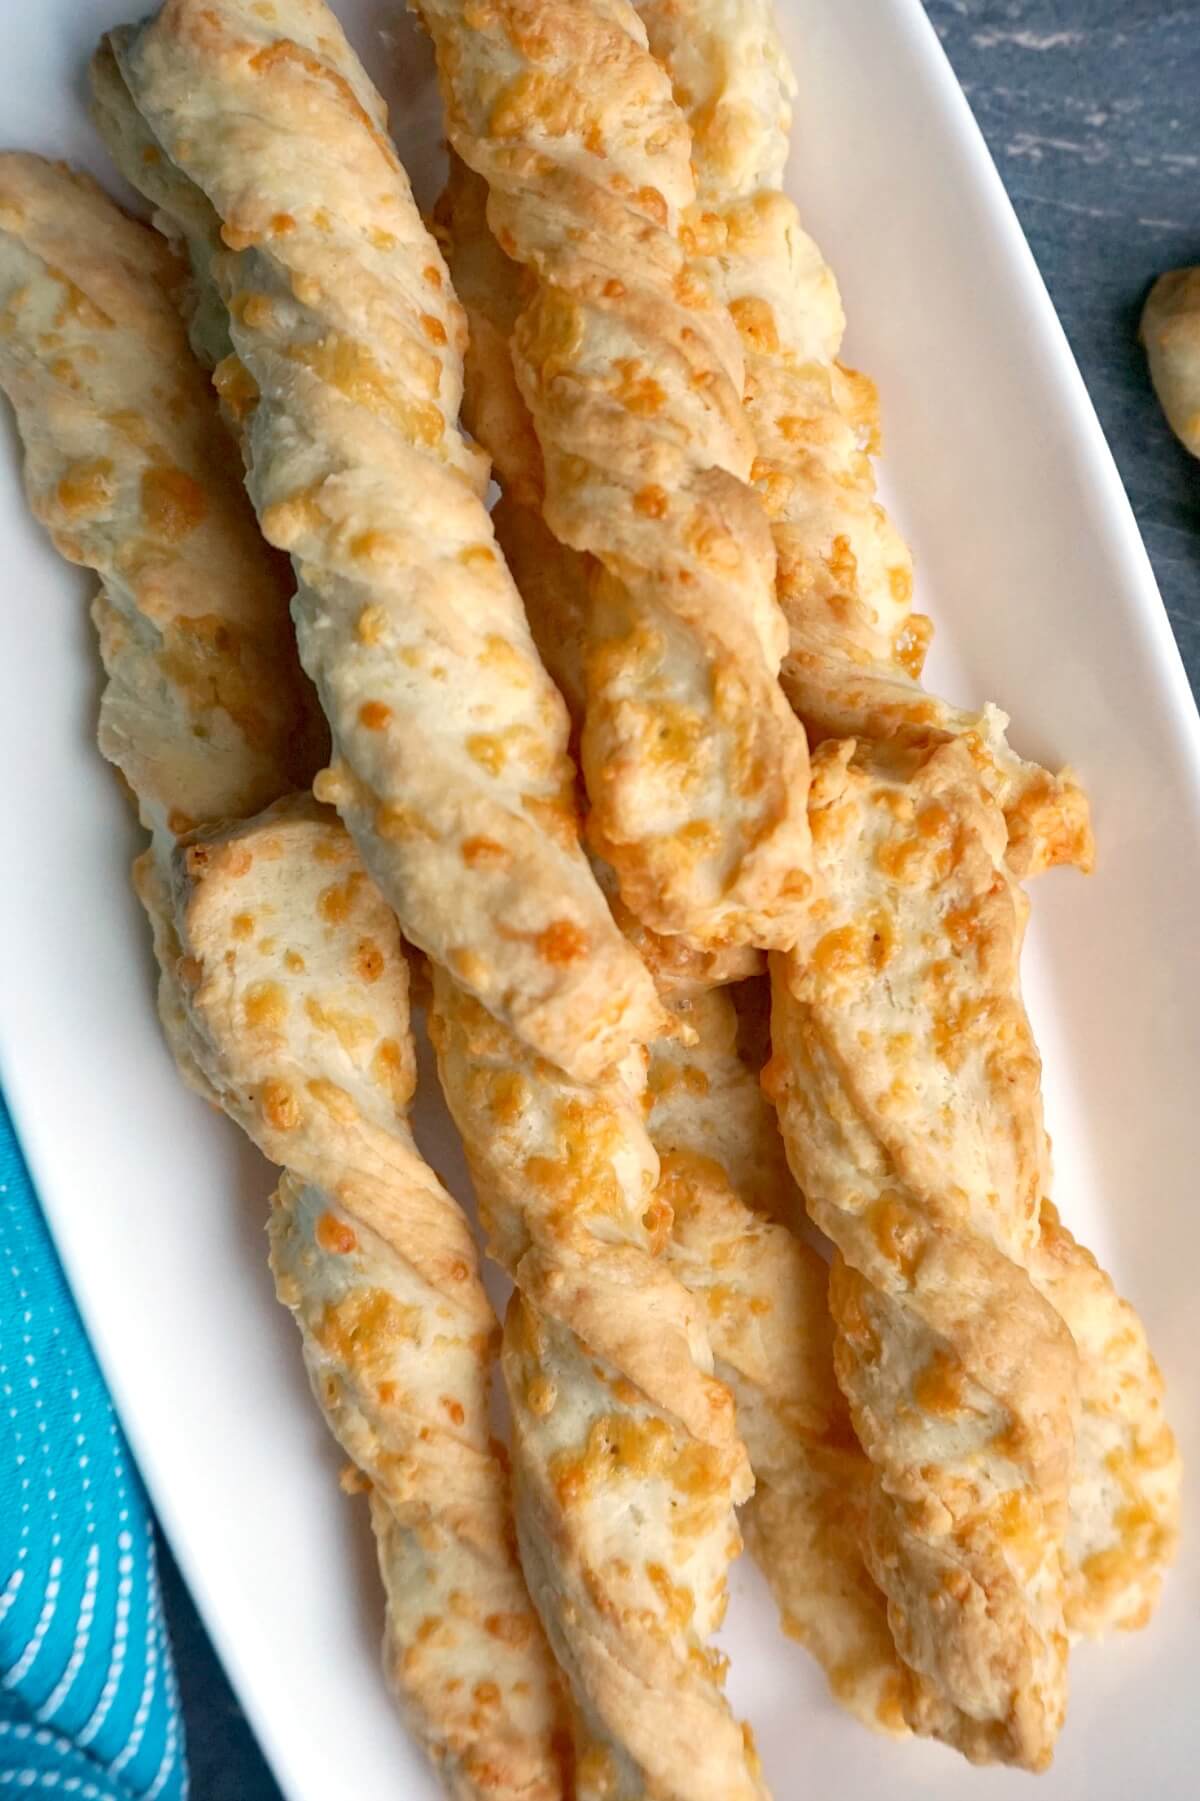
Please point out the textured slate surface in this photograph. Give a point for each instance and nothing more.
(1088, 107)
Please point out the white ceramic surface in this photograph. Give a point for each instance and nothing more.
(1031, 564)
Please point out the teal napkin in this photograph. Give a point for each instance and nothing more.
(88, 1703)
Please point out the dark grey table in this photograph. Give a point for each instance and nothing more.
(1086, 105)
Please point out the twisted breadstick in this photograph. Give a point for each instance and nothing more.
(907, 1085)
(555, 1513)
(293, 987)
(729, 72)
(451, 767)
(626, 1459)
(126, 465)
(286, 1001)
(181, 212)
(769, 1327)
(552, 578)
(845, 576)
(725, 1179)
(1170, 331)
(1125, 1487)
(695, 773)
(763, 1292)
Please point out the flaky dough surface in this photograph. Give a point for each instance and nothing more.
(725, 1179)
(292, 987)
(632, 377)
(626, 1457)
(907, 1084)
(451, 766)
(855, 646)
(205, 711)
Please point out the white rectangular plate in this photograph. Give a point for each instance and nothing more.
(1031, 564)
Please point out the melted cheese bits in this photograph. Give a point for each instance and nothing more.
(855, 646)
(764, 1292)
(627, 1461)
(908, 1090)
(447, 731)
(205, 711)
(291, 996)
(632, 377)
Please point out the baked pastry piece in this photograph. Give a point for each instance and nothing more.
(451, 765)
(907, 1084)
(764, 1293)
(287, 1000)
(1028, 1484)
(855, 646)
(553, 579)
(205, 711)
(1125, 1486)
(633, 378)
(626, 1459)
(1121, 1531)
(769, 1325)
(729, 72)
(292, 986)
(1170, 330)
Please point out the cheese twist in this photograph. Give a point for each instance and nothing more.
(553, 579)
(764, 1291)
(907, 1084)
(626, 1459)
(284, 989)
(845, 604)
(695, 772)
(855, 646)
(291, 984)
(205, 712)
(451, 765)
(722, 1167)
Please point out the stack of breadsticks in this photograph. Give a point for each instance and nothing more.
(949, 1451)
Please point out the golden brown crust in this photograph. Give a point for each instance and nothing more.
(844, 574)
(849, 600)
(907, 1084)
(284, 990)
(726, 1181)
(1125, 1486)
(553, 578)
(451, 764)
(633, 379)
(626, 1458)
(291, 996)
(206, 712)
